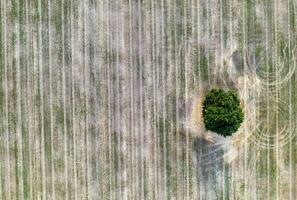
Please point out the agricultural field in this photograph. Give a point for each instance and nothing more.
(103, 99)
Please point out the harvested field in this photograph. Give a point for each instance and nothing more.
(101, 99)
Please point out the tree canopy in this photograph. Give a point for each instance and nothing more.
(222, 112)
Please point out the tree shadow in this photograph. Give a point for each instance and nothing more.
(209, 167)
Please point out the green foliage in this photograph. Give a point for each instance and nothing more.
(222, 112)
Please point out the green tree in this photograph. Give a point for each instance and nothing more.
(222, 112)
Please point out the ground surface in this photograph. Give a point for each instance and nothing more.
(101, 99)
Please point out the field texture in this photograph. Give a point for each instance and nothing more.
(101, 99)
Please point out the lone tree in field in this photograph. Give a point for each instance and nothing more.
(222, 112)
